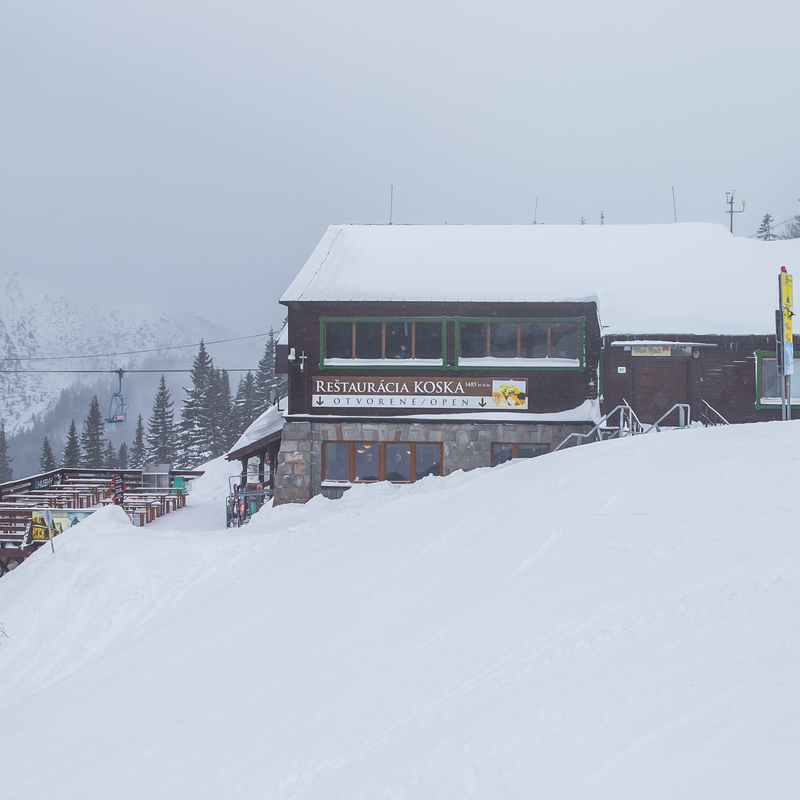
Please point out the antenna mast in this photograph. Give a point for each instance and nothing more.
(729, 202)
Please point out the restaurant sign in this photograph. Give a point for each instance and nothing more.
(421, 393)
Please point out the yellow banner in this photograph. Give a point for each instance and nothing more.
(787, 325)
(786, 291)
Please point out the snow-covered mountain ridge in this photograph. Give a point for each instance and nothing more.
(38, 321)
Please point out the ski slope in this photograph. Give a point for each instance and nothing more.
(613, 621)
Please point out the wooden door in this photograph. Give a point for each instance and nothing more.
(659, 383)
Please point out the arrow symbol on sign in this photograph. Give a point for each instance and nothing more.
(482, 403)
(319, 401)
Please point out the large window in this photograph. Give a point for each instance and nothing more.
(534, 343)
(364, 462)
(395, 343)
(769, 386)
(502, 452)
(531, 343)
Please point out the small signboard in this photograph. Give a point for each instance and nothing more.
(48, 523)
(119, 490)
(667, 351)
(438, 394)
(788, 358)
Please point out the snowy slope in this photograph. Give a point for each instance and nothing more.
(613, 621)
(37, 320)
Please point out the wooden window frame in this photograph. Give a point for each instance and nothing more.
(515, 449)
(381, 460)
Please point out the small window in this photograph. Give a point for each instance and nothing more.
(533, 339)
(771, 383)
(369, 342)
(563, 340)
(339, 339)
(502, 452)
(337, 461)
(398, 463)
(428, 340)
(474, 339)
(504, 339)
(427, 460)
(367, 462)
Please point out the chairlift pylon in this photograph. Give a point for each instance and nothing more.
(118, 406)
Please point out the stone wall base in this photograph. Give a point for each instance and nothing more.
(465, 446)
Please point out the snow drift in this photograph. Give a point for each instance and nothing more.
(612, 621)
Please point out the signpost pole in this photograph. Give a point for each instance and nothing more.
(785, 343)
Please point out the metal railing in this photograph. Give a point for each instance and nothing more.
(629, 425)
(684, 417)
(722, 420)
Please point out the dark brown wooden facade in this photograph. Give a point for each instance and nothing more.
(550, 390)
(723, 372)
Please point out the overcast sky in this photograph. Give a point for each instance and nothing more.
(192, 153)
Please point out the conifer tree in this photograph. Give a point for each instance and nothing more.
(47, 461)
(160, 428)
(122, 456)
(245, 405)
(92, 438)
(196, 414)
(221, 427)
(6, 473)
(765, 232)
(792, 229)
(71, 456)
(109, 456)
(265, 375)
(137, 448)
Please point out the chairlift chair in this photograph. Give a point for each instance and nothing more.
(117, 406)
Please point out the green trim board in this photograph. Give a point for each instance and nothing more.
(761, 356)
(456, 366)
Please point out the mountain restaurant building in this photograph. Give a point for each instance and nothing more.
(421, 350)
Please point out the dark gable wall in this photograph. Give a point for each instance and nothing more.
(549, 390)
(724, 376)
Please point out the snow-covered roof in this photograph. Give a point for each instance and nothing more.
(680, 278)
(271, 421)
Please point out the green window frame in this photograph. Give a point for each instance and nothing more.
(507, 361)
(385, 360)
(766, 372)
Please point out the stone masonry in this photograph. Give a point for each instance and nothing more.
(465, 446)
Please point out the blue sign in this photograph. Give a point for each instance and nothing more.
(788, 358)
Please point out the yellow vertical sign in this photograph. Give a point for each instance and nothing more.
(786, 290)
(786, 305)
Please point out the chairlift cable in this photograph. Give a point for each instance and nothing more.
(113, 371)
(136, 352)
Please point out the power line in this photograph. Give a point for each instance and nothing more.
(112, 371)
(135, 352)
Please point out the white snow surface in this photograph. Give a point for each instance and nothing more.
(267, 423)
(684, 278)
(613, 621)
